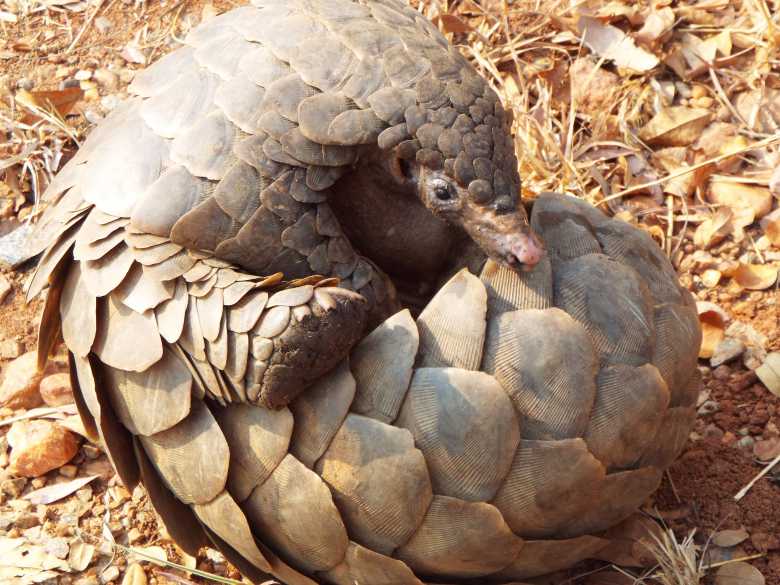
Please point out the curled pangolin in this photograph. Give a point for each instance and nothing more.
(220, 244)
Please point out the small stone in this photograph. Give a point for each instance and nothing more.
(110, 574)
(56, 390)
(38, 482)
(83, 74)
(26, 520)
(134, 535)
(25, 84)
(709, 407)
(713, 433)
(13, 487)
(107, 79)
(5, 285)
(11, 349)
(746, 443)
(134, 575)
(57, 547)
(99, 467)
(38, 446)
(728, 349)
(69, 471)
(20, 383)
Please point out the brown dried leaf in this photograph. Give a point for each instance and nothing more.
(61, 101)
(714, 229)
(713, 325)
(772, 230)
(449, 23)
(755, 276)
(612, 43)
(657, 24)
(739, 573)
(675, 126)
(769, 372)
(739, 195)
(730, 537)
(53, 493)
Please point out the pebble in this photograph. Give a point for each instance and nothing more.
(13, 487)
(107, 79)
(83, 74)
(709, 407)
(11, 349)
(728, 349)
(56, 390)
(20, 384)
(69, 471)
(721, 372)
(38, 446)
(746, 443)
(110, 574)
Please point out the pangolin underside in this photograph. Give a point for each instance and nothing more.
(215, 306)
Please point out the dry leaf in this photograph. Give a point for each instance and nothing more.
(61, 101)
(156, 552)
(612, 43)
(767, 450)
(675, 126)
(450, 23)
(739, 573)
(713, 325)
(80, 555)
(769, 372)
(755, 276)
(772, 229)
(739, 195)
(714, 229)
(52, 493)
(730, 537)
(657, 23)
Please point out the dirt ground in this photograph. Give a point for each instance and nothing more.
(53, 45)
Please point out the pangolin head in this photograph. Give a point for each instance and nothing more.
(457, 148)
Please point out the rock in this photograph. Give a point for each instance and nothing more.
(13, 487)
(728, 349)
(134, 575)
(709, 407)
(11, 349)
(38, 446)
(20, 383)
(107, 79)
(746, 443)
(5, 286)
(26, 520)
(69, 471)
(56, 390)
(110, 574)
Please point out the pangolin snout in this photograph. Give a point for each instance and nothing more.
(525, 250)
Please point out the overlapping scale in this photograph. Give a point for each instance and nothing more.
(294, 511)
(382, 365)
(545, 361)
(549, 483)
(630, 404)
(362, 565)
(460, 539)
(676, 351)
(540, 557)
(381, 510)
(464, 424)
(452, 325)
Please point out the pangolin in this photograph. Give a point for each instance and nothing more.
(228, 234)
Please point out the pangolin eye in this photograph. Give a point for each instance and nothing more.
(442, 190)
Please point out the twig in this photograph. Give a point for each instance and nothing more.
(686, 170)
(741, 493)
(84, 27)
